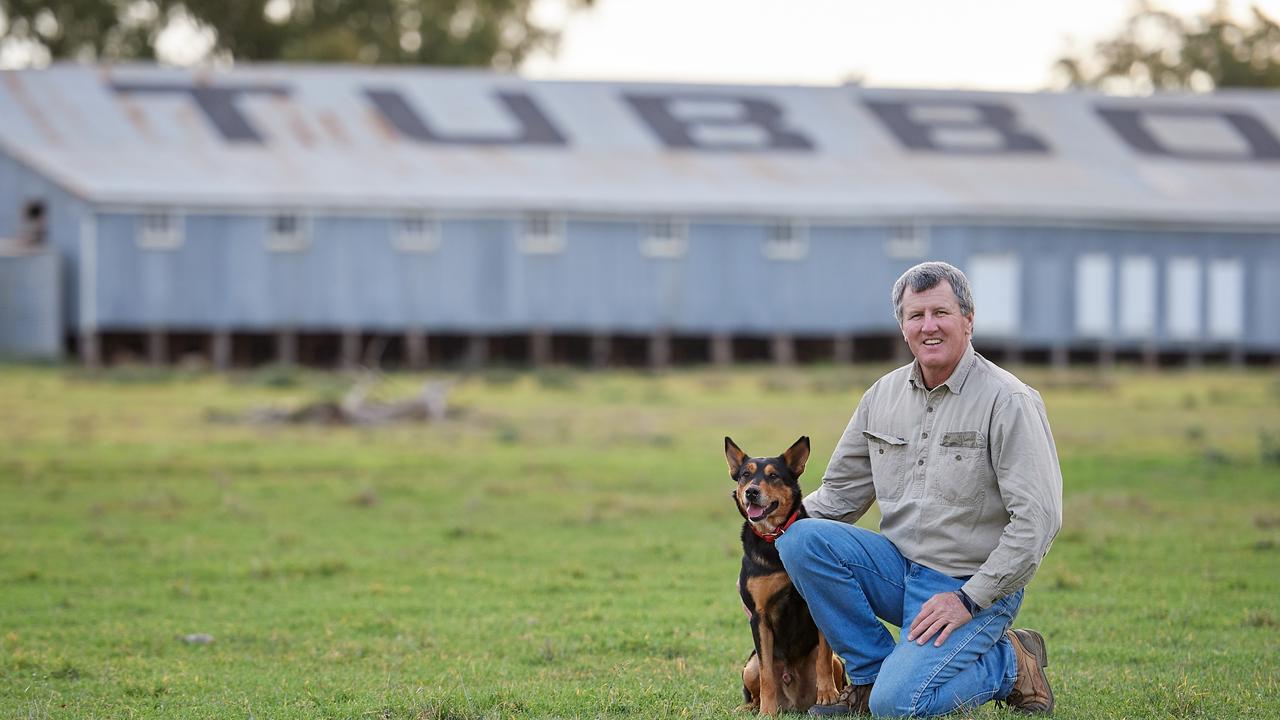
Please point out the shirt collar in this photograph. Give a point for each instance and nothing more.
(958, 376)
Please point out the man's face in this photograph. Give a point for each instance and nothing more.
(935, 330)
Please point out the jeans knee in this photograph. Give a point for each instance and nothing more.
(890, 699)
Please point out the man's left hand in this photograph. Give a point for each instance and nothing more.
(944, 612)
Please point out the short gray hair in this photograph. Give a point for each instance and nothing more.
(926, 276)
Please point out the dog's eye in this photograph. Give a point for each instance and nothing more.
(773, 476)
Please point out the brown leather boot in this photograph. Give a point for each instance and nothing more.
(1031, 692)
(853, 700)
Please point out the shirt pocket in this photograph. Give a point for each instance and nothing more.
(888, 463)
(962, 472)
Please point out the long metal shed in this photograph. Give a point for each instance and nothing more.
(326, 213)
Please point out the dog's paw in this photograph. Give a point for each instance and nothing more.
(826, 696)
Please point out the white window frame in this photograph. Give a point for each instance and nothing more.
(996, 280)
(160, 230)
(1226, 298)
(541, 233)
(1095, 295)
(296, 239)
(416, 234)
(908, 241)
(665, 238)
(1183, 297)
(1138, 296)
(786, 240)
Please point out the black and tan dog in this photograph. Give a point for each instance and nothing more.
(799, 668)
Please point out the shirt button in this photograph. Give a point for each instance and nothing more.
(924, 435)
(930, 408)
(881, 451)
(921, 462)
(957, 457)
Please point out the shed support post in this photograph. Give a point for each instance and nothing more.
(220, 350)
(901, 351)
(157, 347)
(1150, 356)
(842, 349)
(286, 347)
(477, 351)
(783, 349)
(90, 349)
(600, 349)
(415, 344)
(1013, 353)
(1235, 356)
(1059, 357)
(1107, 356)
(350, 358)
(540, 347)
(722, 349)
(659, 349)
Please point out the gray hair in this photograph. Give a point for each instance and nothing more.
(926, 276)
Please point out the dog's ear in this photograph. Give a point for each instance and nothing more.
(797, 455)
(734, 455)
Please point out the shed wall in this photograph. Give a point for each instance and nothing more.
(349, 275)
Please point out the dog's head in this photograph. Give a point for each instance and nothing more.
(768, 488)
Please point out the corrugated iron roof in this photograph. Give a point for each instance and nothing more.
(358, 137)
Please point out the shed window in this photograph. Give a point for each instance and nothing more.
(1137, 296)
(1182, 298)
(1226, 299)
(160, 230)
(665, 238)
(287, 232)
(1094, 295)
(909, 241)
(542, 234)
(786, 240)
(416, 234)
(996, 292)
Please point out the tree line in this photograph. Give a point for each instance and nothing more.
(1153, 50)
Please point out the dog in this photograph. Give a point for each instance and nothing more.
(792, 667)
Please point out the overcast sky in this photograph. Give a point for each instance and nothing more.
(983, 44)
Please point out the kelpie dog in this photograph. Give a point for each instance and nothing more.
(798, 667)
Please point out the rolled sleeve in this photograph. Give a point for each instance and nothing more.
(1025, 461)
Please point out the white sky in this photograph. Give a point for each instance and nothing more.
(980, 44)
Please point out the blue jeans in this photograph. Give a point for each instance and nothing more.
(852, 578)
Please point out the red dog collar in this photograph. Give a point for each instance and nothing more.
(777, 533)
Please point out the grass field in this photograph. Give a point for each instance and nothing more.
(566, 546)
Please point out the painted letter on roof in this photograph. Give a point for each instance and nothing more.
(956, 126)
(697, 121)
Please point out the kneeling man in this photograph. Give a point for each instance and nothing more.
(959, 455)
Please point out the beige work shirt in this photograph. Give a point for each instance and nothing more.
(966, 474)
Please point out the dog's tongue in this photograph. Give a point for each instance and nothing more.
(755, 512)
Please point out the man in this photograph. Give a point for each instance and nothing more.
(959, 455)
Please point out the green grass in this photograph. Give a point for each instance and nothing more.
(566, 546)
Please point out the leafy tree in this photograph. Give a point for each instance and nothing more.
(499, 33)
(1159, 50)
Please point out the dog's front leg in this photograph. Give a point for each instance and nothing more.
(769, 681)
(826, 677)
